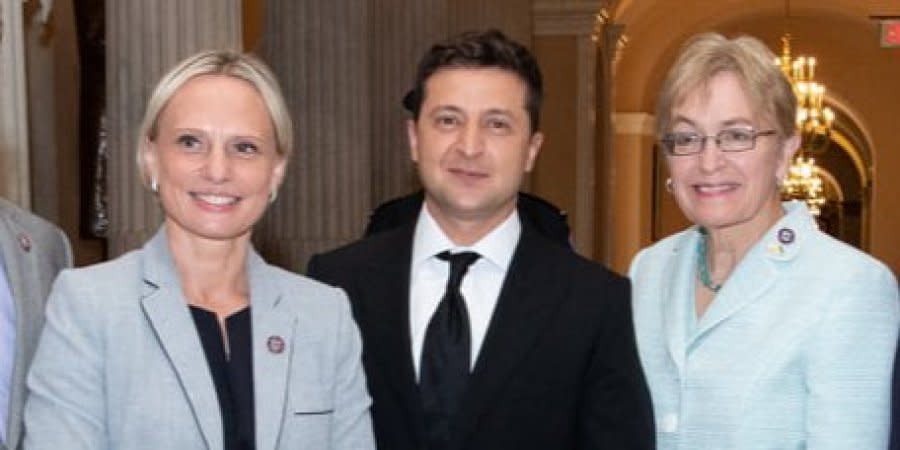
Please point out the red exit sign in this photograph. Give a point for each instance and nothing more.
(890, 33)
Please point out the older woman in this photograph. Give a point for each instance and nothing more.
(194, 341)
(755, 329)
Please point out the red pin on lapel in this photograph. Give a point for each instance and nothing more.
(275, 344)
(25, 242)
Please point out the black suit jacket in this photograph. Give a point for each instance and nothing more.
(558, 368)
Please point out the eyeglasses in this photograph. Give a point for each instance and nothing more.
(728, 140)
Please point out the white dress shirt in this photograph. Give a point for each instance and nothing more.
(480, 287)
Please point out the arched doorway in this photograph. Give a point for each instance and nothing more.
(845, 166)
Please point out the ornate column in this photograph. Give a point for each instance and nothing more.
(631, 201)
(14, 163)
(609, 40)
(574, 24)
(144, 38)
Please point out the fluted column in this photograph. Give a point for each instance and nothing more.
(144, 38)
(402, 30)
(13, 105)
(319, 50)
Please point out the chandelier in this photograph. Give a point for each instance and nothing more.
(804, 183)
(814, 121)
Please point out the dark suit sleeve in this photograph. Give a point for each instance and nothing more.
(313, 268)
(616, 412)
(323, 267)
(319, 269)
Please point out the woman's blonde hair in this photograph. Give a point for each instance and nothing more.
(243, 66)
(706, 55)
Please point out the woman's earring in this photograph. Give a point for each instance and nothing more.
(154, 185)
(669, 185)
(273, 195)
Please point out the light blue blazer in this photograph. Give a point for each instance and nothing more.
(795, 352)
(120, 365)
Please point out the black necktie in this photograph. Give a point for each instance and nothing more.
(445, 354)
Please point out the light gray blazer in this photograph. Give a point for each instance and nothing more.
(120, 364)
(795, 351)
(33, 252)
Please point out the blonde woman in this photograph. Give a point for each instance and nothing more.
(755, 329)
(194, 341)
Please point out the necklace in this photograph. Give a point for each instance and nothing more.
(702, 268)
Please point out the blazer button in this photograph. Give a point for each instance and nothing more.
(669, 423)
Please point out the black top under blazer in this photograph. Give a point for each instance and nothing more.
(558, 368)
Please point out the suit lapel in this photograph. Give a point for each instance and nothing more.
(29, 306)
(387, 282)
(759, 269)
(524, 308)
(17, 262)
(270, 368)
(168, 314)
(681, 270)
(749, 281)
(755, 275)
(11, 252)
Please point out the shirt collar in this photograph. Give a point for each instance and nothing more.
(496, 247)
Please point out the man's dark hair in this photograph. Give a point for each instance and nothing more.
(480, 49)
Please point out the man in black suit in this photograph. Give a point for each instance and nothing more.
(479, 332)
